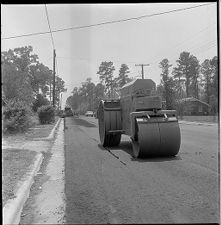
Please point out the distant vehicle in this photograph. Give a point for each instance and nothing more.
(95, 115)
(76, 114)
(62, 113)
(89, 113)
(68, 111)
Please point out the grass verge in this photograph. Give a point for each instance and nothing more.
(203, 119)
(15, 163)
(40, 130)
(36, 131)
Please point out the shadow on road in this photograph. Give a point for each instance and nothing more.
(81, 122)
(126, 146)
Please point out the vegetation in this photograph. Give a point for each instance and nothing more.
(27, 80)
(24, 77)
(167, 84)
(16, 116)
(88, 96)
(39, 101)
(123, 78)
(189, 79)
(46, 114)
(27, 85)
(106, 70)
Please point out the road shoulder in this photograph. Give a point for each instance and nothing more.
(13, 207)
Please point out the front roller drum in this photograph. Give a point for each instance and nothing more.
(108, 120)
(156, 139)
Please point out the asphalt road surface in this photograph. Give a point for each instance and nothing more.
(107, 185)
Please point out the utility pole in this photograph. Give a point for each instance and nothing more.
(50, 91)
(61, 101)
(54, 55)
(142, 65)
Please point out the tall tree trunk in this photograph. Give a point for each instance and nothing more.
(187, 86)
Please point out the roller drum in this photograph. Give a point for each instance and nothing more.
(108, 120)
(156, 139)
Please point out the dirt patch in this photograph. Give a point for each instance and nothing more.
(15, 164)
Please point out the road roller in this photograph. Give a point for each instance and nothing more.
(139, 114)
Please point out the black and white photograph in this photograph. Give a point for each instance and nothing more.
(110, 113)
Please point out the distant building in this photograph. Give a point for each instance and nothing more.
(192, 106)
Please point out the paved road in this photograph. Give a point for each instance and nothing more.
(110, 186)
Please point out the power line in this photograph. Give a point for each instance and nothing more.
(193, 37)
(110, 22)
(49, 26)
(115, 61)
(190, 50)
(204, 45)
(51, 37)
(54, 57)
(172, 48)
(205, 50)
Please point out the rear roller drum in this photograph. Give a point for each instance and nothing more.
(156, 139)
(104, 121)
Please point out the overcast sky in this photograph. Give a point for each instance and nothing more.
(80, 52)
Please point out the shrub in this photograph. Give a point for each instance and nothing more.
(39, 101)
(46, 114)
(59, 113)
(16, 116)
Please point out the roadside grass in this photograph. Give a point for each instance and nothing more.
(205, 119)
(15, 164)
(40, 130)
(15, 161)
(37, 130)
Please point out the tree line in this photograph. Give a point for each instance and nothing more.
(188, 78)
(26, 79)
(88, 96)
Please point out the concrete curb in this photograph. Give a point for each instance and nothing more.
(51, 135)
(92, 123)
(13, 208)
(197, 123)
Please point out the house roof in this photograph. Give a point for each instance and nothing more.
(191, 99)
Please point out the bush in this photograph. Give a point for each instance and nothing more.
(16, 116)
(39, 101)
(59, 113)
(46, 114)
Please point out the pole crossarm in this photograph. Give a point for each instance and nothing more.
(142, 65)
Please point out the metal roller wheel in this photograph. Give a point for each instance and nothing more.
(104, 125)
(156, 139)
